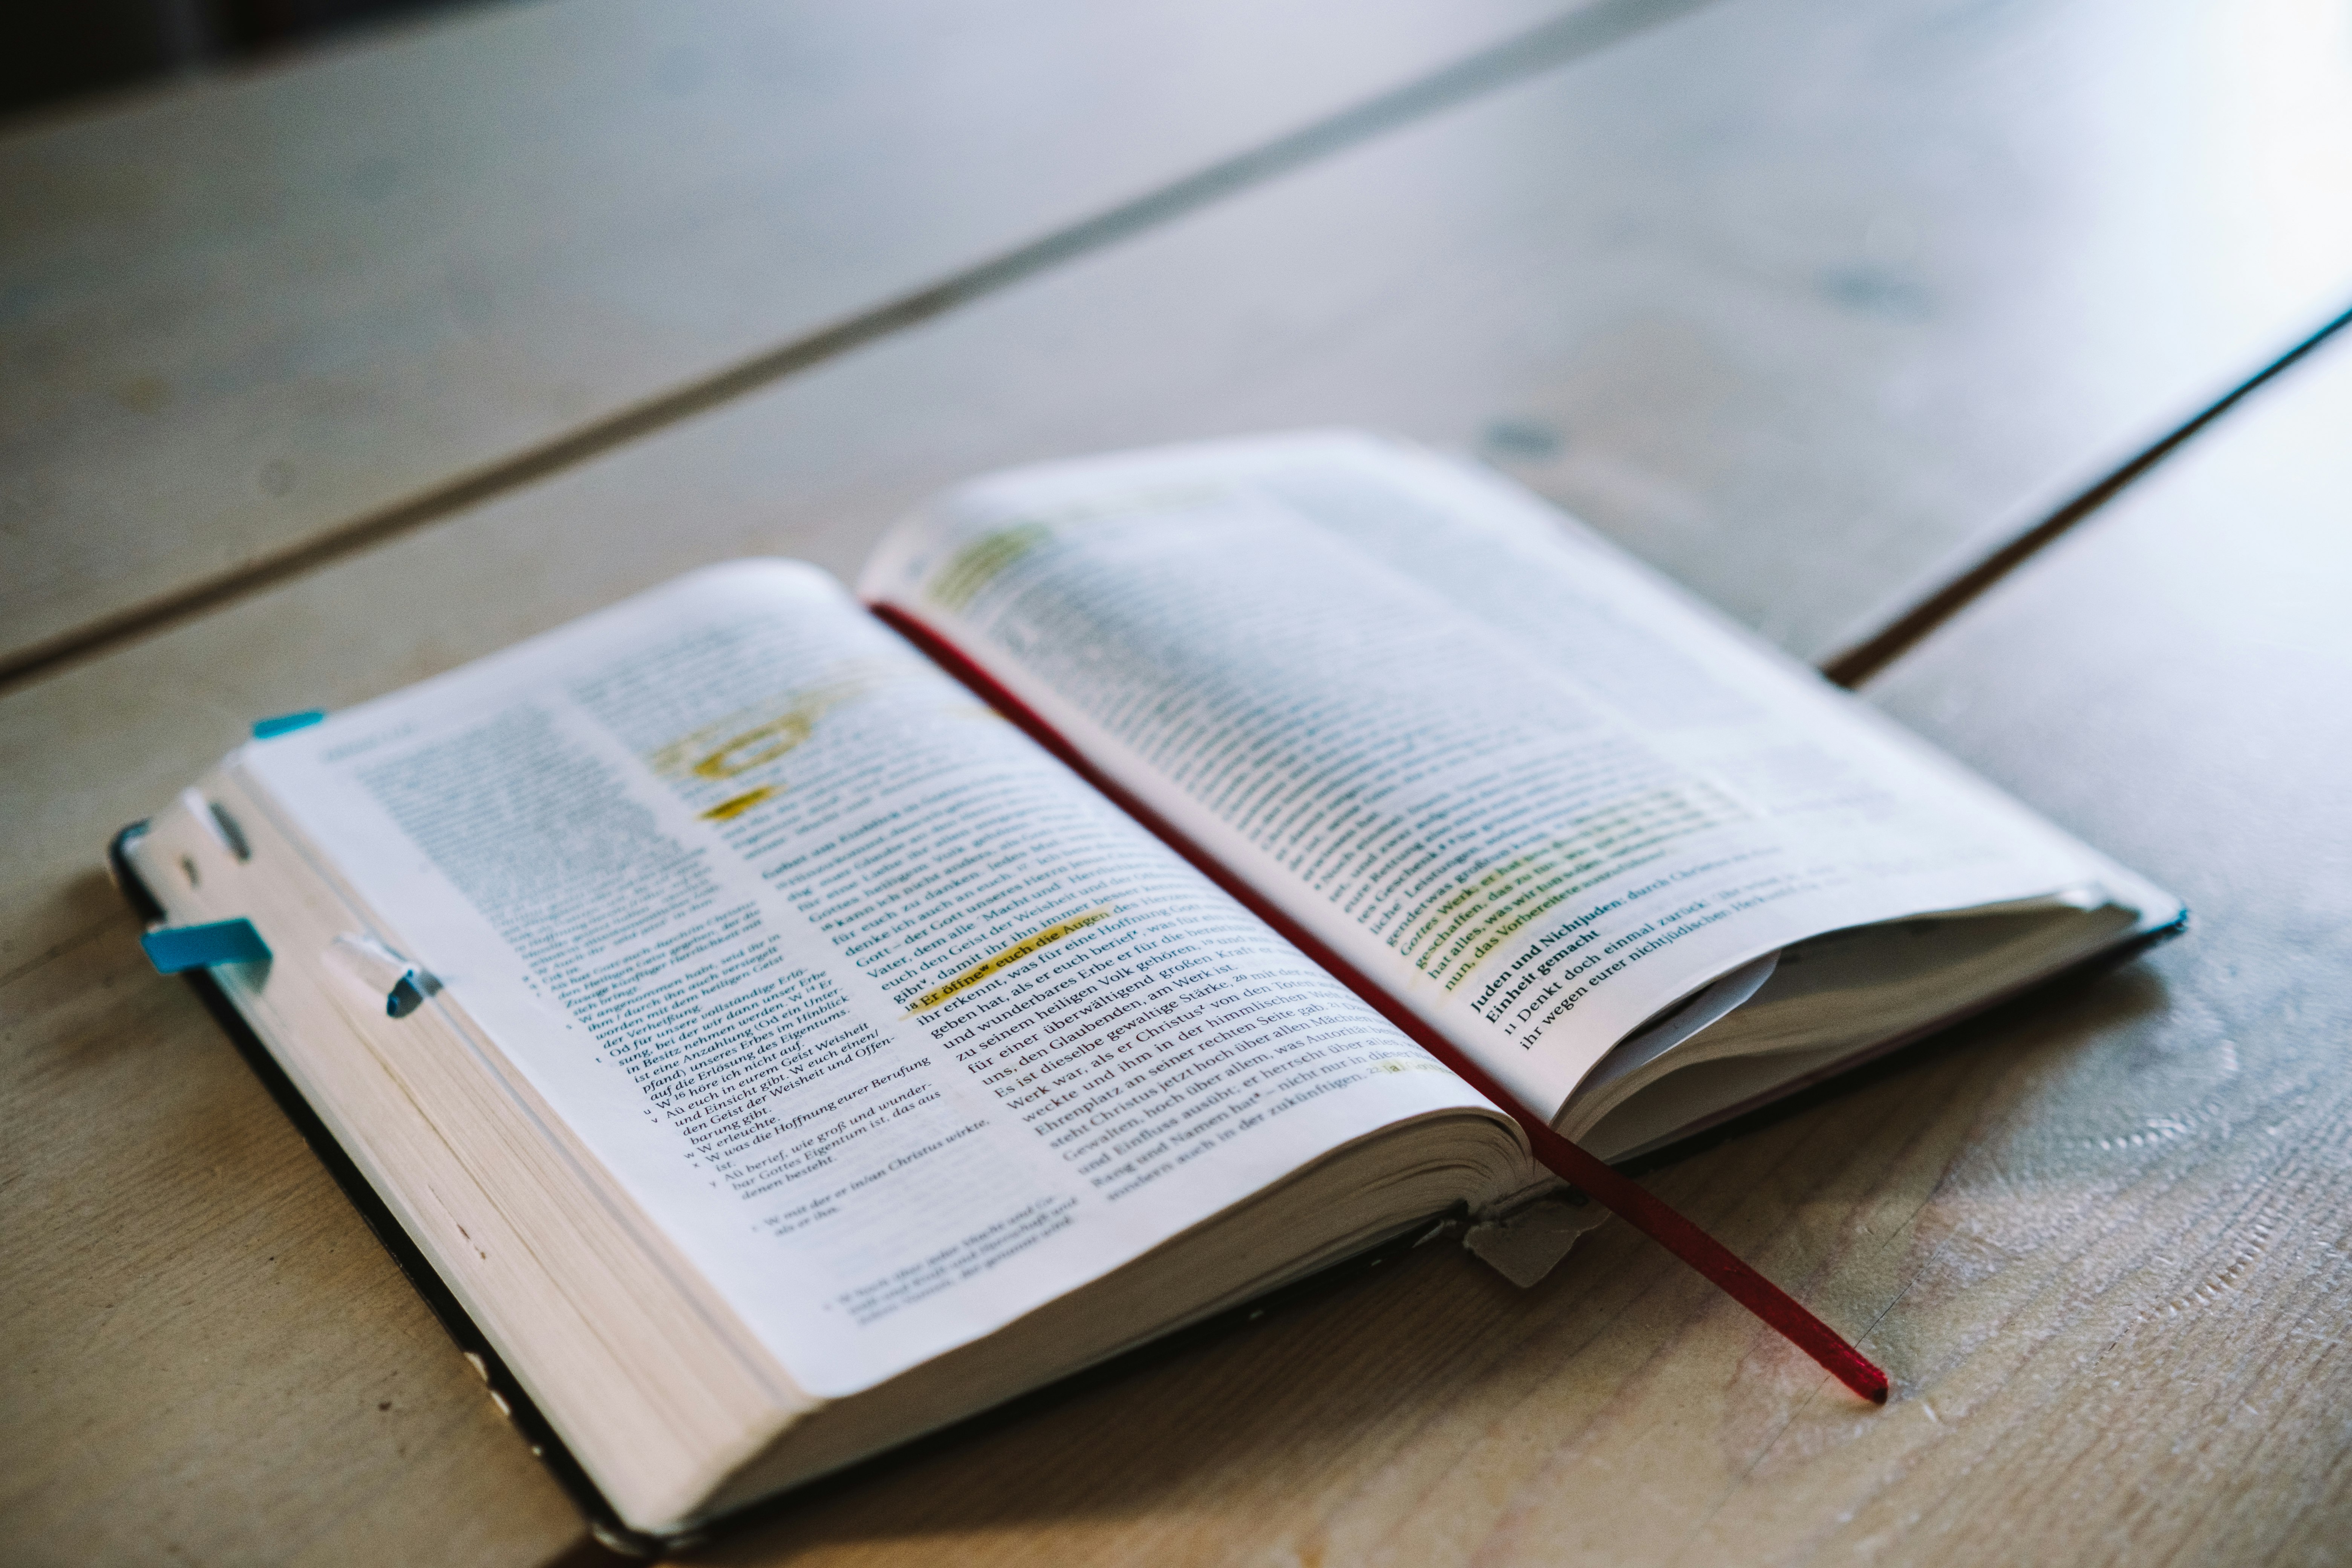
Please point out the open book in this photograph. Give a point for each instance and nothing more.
(780, 1053)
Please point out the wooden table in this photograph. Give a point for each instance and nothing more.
(320, 380)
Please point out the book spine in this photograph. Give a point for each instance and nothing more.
(1618, 1193)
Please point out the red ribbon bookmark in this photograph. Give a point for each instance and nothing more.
(1622, 1195)
(1628, 1199)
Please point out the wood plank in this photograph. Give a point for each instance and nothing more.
(244, 313)
(1777, 286)
(1806, 311)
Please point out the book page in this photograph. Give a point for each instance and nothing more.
(1500, 768)
(895, 1028)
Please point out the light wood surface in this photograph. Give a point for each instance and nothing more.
(1763, 281)
(2096, 1247)
(251, 312)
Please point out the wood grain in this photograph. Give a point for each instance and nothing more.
(246, 313)
(1761, 282)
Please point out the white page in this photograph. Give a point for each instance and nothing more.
(895, 1028)
(1500, 768)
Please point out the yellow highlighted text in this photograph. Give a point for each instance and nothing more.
(1005, 960)
(741, 803)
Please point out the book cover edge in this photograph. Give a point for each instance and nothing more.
(602, 1520)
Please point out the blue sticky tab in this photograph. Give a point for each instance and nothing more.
(175, 948)
(405, 996)
(286, 724)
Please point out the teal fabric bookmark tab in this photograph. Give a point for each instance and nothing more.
(177, 949)
(404, 997)
(286, 724)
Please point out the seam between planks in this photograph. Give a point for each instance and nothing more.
(1852, 666)
(1574, 36)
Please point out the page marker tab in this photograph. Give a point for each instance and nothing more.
(407, 996)
(231, 834)
(287, 723)
(174, 950)
(402, 985)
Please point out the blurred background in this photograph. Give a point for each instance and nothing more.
(56, 50)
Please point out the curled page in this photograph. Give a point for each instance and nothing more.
(1497, 768)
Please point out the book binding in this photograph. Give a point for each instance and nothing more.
(1619, 1194)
